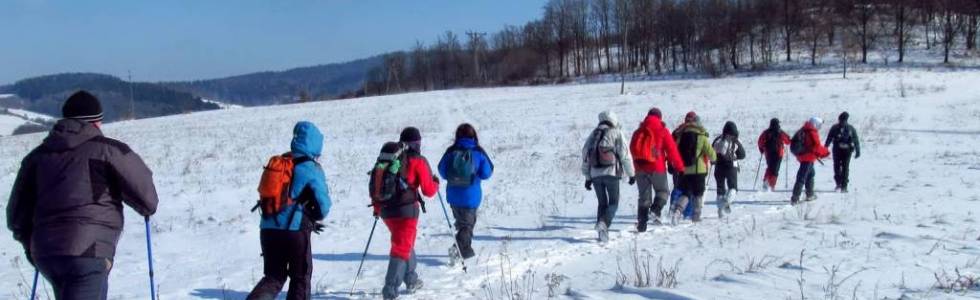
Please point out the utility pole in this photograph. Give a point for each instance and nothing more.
(476, 41)
(132, 105)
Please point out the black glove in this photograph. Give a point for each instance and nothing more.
(318, 227)
(588, 185)
(632, 180)
(435, 178)
(857, 154)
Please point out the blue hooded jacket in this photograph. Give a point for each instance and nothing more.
(467, 196)
(307, 142)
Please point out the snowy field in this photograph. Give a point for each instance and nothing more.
(909, 225)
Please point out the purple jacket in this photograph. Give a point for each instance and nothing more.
(67, 198)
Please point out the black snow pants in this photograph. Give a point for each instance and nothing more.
(842, 166)
(286, 254)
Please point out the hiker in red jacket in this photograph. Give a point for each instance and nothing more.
(652, 147)
(813, 150)
(402, 220)
(771, 145)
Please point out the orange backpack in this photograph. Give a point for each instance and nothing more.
(274, 185)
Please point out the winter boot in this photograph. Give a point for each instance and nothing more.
(412, 288)
(603, 230)
(811, 198)
(729, 199)
(722, 203)
(454, 256)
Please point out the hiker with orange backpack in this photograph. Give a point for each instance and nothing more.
(653, 147)
(396, 199)
(294, 198)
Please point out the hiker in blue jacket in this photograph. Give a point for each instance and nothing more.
(464, 165)
(285, 237)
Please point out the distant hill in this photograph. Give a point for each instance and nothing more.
(46, 94)
(310, 83)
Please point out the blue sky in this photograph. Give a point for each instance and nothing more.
(199, 39)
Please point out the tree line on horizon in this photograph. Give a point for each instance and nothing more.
(581, 38)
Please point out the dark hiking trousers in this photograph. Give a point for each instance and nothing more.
(773, 162)
(804, 177)
(842, 166)
(726, 178)
(607, 191)
(399, 271)
(693, 186)
(74, 277)
(465, 220)
(286, 254)
(654, 193)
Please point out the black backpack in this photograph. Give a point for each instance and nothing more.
(799, 144)
(688, 147)
(844, 138)
(774, 142)
(387, 186)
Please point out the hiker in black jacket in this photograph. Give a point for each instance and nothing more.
(846, 142)
(66, 203)
(729, 151)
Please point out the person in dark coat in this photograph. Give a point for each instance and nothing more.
(285, 237)
(65, 207)
(465, 194)
(729, 151)
(846, 142)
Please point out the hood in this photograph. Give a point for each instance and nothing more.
(774, 124)
(652, 122)
(809, 126)
(68, 134)
(466, 143)
(609, 116)
(694, 127)
(730, 129)
(307, 140)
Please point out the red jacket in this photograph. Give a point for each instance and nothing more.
(653, 135)
(815, 148)
(418, 176)
(764, 139)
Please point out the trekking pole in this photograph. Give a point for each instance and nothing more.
(363, 256)
(149, 258)
(34, 287)
(786, 170)
(445, 213)
(758, 168)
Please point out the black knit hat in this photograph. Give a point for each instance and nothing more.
(82, 106)
(843, 117)
(655, 112)
(410, 134)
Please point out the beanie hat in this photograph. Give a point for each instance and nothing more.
(82, 106)
(410, 134)
(816, 122)
(655, 112)
(843, 117)
(691, 117)
(774, 123)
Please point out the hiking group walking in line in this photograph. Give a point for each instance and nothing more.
(65, 207)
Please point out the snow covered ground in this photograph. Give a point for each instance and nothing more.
(911, 216)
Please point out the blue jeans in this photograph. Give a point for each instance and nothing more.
(804, 177)
(74, 277)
